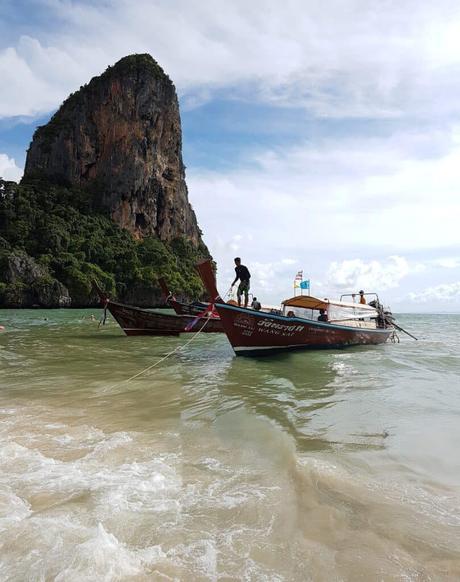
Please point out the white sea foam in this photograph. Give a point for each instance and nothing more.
(58, 526)
(100, 558)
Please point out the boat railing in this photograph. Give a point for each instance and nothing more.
(353, 295)
(366, 323)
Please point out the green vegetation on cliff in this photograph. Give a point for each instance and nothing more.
(56, 232)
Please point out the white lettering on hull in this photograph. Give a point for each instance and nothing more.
(279, 326)
(248, 325)
(267, 326)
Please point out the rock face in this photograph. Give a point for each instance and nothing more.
(31, 285)
(120, 137)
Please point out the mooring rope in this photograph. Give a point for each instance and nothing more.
(181, 347)
(103, 316)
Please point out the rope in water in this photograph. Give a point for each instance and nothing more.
(163, 358)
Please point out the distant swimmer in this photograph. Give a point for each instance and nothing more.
(90, 317)
(243, 274)
(2, 328)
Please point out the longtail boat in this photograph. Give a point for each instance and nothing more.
(295, 325)
(179, 307)
(137, 321)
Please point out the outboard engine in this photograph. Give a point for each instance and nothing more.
(389, 318)
(385, 317)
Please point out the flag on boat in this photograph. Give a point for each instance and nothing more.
(298, 279)
(305, 284)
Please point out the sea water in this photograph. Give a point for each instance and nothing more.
(327, 465)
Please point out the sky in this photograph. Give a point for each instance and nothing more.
(321, 136)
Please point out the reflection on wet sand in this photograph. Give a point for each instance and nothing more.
(279, 389)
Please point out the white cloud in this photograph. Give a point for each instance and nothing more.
(337, 59)
(36, 79)
(449, 292)
(369, 275)
(447, 262)
(348, 196)
(334, 200)
(8, 169)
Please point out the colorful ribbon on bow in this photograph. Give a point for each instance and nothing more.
(209, 309)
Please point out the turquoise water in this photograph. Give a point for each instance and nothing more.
(331, 465)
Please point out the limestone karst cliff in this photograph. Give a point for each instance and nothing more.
(103, 198)
(120, 136)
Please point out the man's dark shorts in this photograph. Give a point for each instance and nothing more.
(243, 287)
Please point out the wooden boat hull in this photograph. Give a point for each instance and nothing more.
(256, 333)
(180, 308)
(136, 321)
(260, 333)
(187, 308)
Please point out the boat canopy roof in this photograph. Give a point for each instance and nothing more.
(310, 302)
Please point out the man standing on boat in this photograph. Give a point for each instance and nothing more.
(362, 299)
(243, 274)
